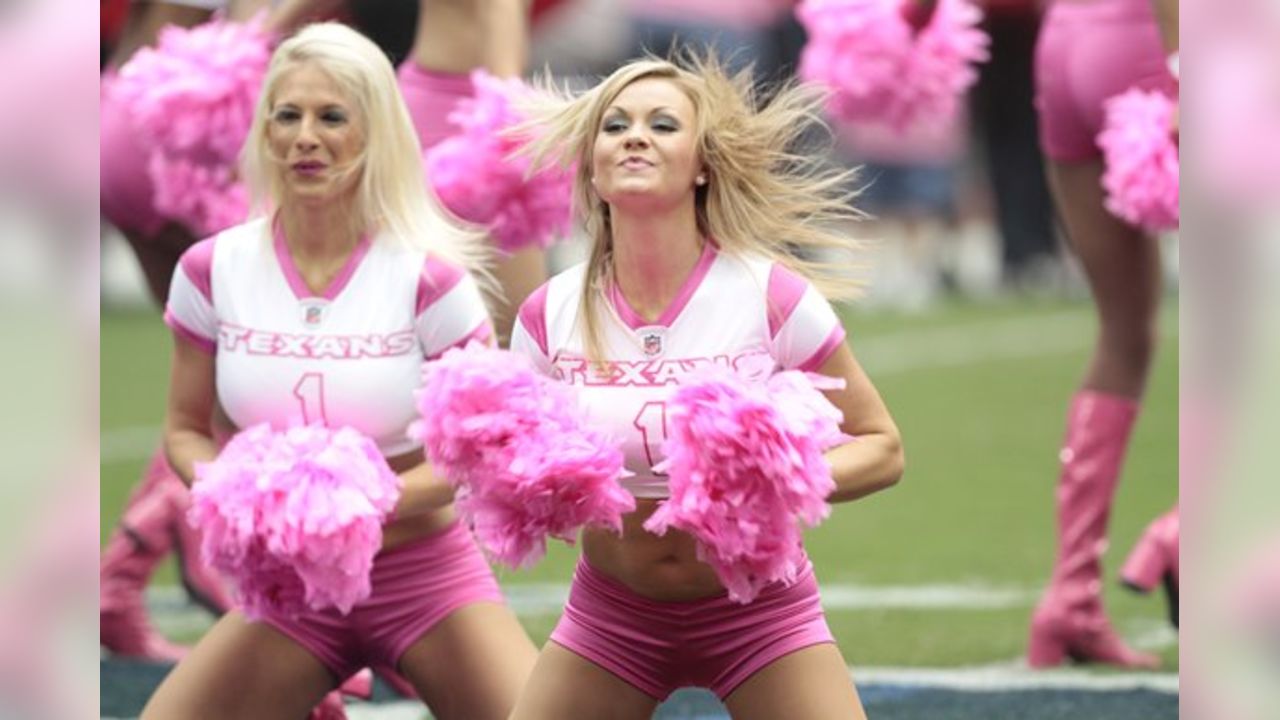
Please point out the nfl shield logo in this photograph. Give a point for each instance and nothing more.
(652, 344)
(312, 313)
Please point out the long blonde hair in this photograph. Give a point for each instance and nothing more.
(763, 196)
(392, 193)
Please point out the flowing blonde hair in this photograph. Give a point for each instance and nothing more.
(763, 196)
(391, 192)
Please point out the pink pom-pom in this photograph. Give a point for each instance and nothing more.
(195, 91)
(205, 198)
(880, 69)
(746, 467)
(476, 176)
(520, 453)
(473, 402)
(192, 98)
(294, 518)
(1141, 177)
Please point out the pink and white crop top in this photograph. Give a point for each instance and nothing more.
(746, 313)
(351, 356)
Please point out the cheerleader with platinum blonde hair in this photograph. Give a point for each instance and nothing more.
(321, 310)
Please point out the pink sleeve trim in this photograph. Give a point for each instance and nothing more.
(786, 288)
(483, 334)
(533, 316)
(437, 278)
(197, 265)
(188, 334)
(824, 352)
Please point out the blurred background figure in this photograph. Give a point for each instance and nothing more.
(455, 37)
(744, 32)
(909, 187)
(1088, 52)
(1005, 131)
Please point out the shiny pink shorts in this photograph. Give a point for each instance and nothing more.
(431, 96)
(125, 187)
(415, 586)
(1089, 51)
(715, 643)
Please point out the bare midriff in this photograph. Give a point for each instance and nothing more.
(659, 568)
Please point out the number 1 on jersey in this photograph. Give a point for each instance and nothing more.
(651, 421)
(310, 394)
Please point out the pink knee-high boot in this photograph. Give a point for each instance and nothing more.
(1070, 620)
(154, 523)
(1154, 560)
(139, 543)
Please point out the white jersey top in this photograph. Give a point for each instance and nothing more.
(749, 314)
(351, 356)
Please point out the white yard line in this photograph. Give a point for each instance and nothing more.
(1014, 675)
(845, 596)
(173, 612)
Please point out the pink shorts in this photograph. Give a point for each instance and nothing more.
(1089, 51)
(415, 586)
(431, 96)
(714, 643)
(126, 189)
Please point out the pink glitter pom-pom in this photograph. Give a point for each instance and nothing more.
(519, 452)
(1141, 177)
(746, 468)
(295, 517)
(880, 69)
(476, 176)
(192, 98)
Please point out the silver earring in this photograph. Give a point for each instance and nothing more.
(700, 180)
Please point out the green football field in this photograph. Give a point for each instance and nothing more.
(940, 571)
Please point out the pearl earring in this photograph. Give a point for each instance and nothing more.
(700, 180)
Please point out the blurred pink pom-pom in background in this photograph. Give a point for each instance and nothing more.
(477, 177)
(880, 69)
(1141, 155)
